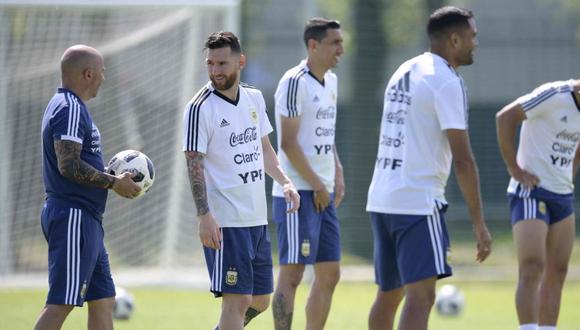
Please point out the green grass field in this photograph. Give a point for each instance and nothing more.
(489, 305)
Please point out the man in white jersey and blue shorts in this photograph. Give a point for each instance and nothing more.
(423, 131)
(76, 188)
(228, 156)
(305, 126)
(540, 194)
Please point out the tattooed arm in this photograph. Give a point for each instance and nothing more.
(209, 231)
(72, 167)
(195, 170)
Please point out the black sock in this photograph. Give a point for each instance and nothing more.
(250, 314)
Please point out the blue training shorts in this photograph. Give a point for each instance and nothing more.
(243, 264)
(78, 264)
(539, 203)
(409, 248)
(306, 237)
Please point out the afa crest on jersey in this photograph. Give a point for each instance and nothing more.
(305, 248)
(542, 207)
(231, 277)
(84, 289)
(254, 115)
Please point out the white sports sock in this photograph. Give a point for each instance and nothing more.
(529, 326)
(547, 327)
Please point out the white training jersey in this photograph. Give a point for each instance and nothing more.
(549, 136)
(229, 134)
(300, 94)
(424, 98)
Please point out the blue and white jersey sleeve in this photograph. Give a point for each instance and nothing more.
(66, 123)
(451, 105)
(540, 100)
(290, 94)
(549, 136)
(196, 129)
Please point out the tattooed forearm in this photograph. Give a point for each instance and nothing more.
(282, 319)
(197, 180)
(72, 167)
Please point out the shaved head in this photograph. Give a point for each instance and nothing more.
(82, 70)
(78, 58)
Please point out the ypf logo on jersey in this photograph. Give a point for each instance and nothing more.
(95, 139)
(231, 277)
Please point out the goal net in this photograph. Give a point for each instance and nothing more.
(154, 64)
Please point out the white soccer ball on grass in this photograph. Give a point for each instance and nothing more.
(124, 304)
(449, 300)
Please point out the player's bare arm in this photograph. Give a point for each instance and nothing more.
(467, 175)
(295, 154)
(576, 162)
(72, 167)
(209, 233)
(274, 170)
(339, 186)
(507, 121)
(577, 155)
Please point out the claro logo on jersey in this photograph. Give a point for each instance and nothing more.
(248, 135)
(251, 157)
(396, 141)
(324, 131)
(95, 140)
(564, 148)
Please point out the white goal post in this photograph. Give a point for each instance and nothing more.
(153, 54)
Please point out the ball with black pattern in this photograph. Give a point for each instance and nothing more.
(449, 300)
(136, 162)
(124, 304)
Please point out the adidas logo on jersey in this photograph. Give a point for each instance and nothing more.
(399, 92)
(316, 99)
(564, 119)
(224, 123)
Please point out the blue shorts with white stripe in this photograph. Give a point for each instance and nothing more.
(78, 264)
(539, 203)
(409, 248)
(306, 237)
(243, 264)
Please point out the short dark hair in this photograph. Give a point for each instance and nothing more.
(446, 18)
(316, 28)
(221, 39)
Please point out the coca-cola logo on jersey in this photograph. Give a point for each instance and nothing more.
(248, 135)
(568, 136)
(328, 113)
